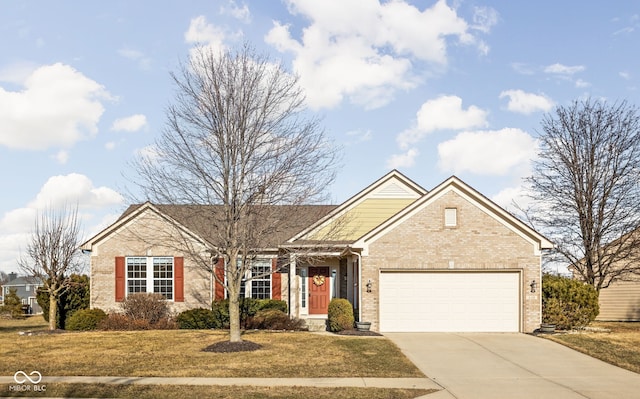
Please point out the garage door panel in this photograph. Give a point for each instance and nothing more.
(442, 302)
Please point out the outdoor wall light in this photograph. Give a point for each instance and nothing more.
(369, 284)
(533, 285)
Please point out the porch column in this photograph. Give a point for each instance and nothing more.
(294, 287)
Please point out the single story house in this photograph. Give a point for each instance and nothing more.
(26, 288)
(408, 259)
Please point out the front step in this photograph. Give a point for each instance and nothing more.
(316, 325)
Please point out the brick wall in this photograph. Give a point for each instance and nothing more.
(147, 235)
(477, 242)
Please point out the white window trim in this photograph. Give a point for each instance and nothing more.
(248, 281)
(149, 272)
(450, 217)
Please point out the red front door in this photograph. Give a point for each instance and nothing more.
(319, 283)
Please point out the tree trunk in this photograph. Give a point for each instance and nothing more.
(53, 309)
(234, 319)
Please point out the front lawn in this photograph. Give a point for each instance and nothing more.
(618, 345)
(178, 353)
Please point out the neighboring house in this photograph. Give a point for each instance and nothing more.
(26, 288)
(620, 302)
(408, 259)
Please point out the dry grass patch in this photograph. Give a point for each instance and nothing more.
(178, 353)
(220, 392)
(618, 345)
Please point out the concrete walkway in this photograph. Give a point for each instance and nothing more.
(519, 366)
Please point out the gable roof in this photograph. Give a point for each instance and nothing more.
(200, 221)
(489, 207)
(364, 211)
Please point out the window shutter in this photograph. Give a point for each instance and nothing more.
(120, 279)
(276, 281)
(219, 288)
(178, 279)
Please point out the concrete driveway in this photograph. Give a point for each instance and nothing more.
(471, 365)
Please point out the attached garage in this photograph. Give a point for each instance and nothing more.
(445, 301)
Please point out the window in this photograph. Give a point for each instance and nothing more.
(258, 287)
(147, 274)
(261, 284)
(450, 217)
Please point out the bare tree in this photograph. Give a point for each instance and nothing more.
(52, 253)
(586, 183)
(239, 137)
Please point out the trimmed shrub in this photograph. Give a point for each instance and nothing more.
(75, 298)
(568, 303)
(146, 306)
(197, 319)
(273, 319)
(277, 304)
(340, 315)
(85, 319)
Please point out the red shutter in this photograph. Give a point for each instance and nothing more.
(276, 281)
(120, 279)
(178, 279)
(219, 271)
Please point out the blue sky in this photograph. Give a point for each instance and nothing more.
(433, 89)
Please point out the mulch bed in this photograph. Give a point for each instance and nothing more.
(230, 347)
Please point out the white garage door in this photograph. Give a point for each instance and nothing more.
(449, 302)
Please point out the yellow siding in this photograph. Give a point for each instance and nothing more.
(361, 219)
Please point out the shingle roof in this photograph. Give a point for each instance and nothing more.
(284, 221)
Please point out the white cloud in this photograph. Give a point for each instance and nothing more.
(581, 84)
(201, 32)
(62, 157)
(142, 60)
(131, 123)
(405, 160)
(110, 145)
(526, 103)
(560, 69)
(368, 61)
(624, 75)
(442, 113)
(494, 152)
(74, 188)
(58, 107)
(512, 198)
(240, 13)
(484, 18)
(17, 72)
(16, 225)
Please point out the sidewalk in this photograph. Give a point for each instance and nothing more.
(359, 382)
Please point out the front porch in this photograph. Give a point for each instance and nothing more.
(315, 280)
